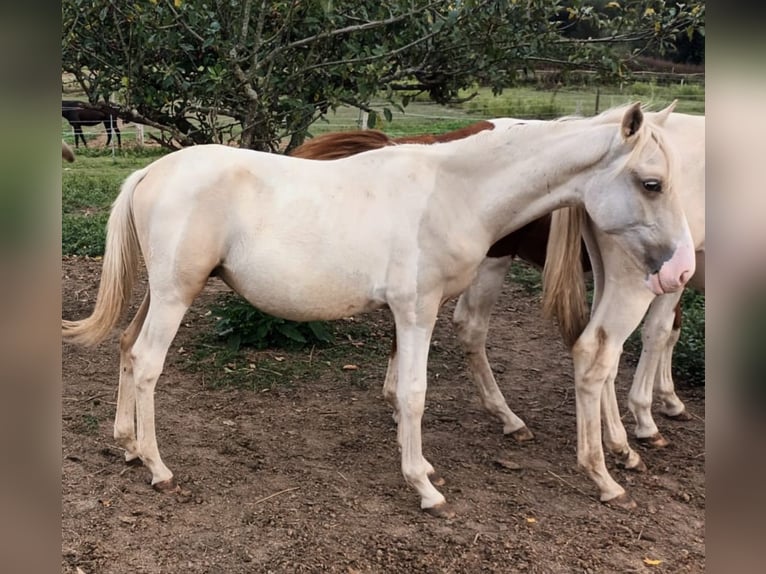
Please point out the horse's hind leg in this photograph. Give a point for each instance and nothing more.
(124, 420)
(148, 356)
(471, 319)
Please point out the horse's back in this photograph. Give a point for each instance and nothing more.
(266, 222)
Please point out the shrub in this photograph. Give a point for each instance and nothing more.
(689, 352)
(242, 325)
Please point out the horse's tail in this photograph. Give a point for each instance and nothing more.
(118, 273)
(342, 144)
(66, 152)
(563, 276)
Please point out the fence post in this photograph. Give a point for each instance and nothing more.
(140, 135)
(598, 97)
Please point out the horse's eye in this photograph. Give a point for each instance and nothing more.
(653, 185)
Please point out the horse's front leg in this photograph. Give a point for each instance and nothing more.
(595, 356)
(471, 319)
(414, 326)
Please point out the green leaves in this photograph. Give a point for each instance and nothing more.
(175, 62)
(242, 325)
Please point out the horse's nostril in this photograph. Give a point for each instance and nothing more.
(684, 277)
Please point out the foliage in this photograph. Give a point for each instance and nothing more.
(257, 72)
(241, 324)
(689, 352)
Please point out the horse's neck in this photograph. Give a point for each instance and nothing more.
(519, 173)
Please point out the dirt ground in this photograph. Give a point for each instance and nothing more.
(305, 477)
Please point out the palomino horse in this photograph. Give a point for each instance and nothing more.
(663, 320)
(310, 240)
(78, 115)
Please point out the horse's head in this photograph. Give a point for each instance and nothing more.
(635, 199)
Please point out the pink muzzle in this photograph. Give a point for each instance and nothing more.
(675, 272)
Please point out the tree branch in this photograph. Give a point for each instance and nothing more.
(348, 30)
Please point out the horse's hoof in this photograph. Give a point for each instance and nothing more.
(654, 441)
(622, 501)
(522, 435)
(442, 510)
(683, 416)
(436, 479)
(170, 486)
(639, 467)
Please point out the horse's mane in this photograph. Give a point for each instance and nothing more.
(344, 144)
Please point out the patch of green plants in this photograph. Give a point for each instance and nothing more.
(355, 354)
(240, 324)
(526, 275)
(689, 352)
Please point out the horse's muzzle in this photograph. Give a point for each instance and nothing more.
(675, 272)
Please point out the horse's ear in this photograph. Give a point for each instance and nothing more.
(662, 116)
(632, 120)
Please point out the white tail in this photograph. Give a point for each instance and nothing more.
(563, 276)
(118, 273)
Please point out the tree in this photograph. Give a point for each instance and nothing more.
(257, 72)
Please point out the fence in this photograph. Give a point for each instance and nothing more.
(423, 116)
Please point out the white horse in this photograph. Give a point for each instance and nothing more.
(405, 227)
(662, 324)
(472, 312)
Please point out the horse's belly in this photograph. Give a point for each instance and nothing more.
(301, 290)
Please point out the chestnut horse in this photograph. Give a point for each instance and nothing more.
(661, 329)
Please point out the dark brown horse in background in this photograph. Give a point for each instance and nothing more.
(78, 114)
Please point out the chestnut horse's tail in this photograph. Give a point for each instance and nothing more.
(342, 144)
(563, 276)
(118, 273)
(66, 152)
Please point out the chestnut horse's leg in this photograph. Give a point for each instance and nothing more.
(471, 319)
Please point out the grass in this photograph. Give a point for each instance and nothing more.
(89, 185)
